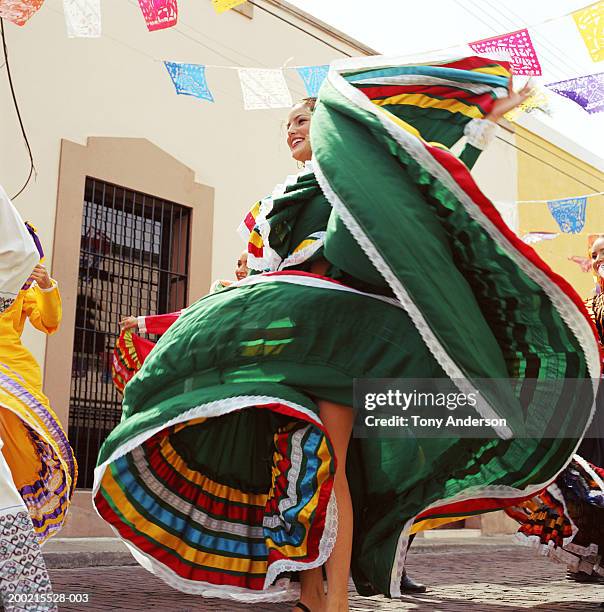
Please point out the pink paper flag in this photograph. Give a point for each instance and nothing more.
(518, 45)
(19, 11)
(159, 14)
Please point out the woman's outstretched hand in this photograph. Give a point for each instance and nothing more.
(128, 323)
(511, 101)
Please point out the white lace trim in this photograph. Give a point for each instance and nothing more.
(282, 590)
(472, 493)
(585, 465)
(209, 410)
(398, 567)
(328, 540)
(574, 557)
(449, 366)
(312, 281)
(270, 259)
(569, 312)
(303, 254)
(480, 133)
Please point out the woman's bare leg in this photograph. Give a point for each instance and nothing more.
(338, 421)
(312, 591)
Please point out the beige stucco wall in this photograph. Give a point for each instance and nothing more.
(497, 168)
(112, 86)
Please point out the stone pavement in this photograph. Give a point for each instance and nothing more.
(486, 575)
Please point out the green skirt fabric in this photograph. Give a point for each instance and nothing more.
(220, 475)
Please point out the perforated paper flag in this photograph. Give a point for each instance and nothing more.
(19, 11)
(189, 80)
(159, 14)
(569, 214)
(82, 18)
(221, 6)
(518, 45)
(264, 88)
(586, 91)
(590, 23)
(537, 101)
(313, 77)
(534, 237)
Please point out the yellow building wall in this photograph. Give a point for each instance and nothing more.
(547, 172)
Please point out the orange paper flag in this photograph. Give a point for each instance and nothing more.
(19, 11)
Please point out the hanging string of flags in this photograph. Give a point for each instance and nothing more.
(261, 87)
(266, 87)
(568, 213)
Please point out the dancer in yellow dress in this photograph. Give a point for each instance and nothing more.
(35, 447)
(24, 581)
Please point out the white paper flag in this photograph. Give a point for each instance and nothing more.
(264, 88)
(535, 237)
(82, 18)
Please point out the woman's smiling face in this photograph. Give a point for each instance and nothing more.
(298, 132)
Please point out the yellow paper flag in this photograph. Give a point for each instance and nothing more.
(537, 101)
(590, 23)
(221, 6)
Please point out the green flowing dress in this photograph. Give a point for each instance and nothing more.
(220, 475)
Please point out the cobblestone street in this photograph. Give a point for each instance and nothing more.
(487, 579)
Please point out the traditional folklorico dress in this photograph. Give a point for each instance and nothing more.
(220, 475)
(566, 521)
(131, 350)
(37, 468)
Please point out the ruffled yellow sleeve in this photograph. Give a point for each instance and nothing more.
(43, 308)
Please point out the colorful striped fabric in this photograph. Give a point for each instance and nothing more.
(566, 521)
(128, 355)
(38, 453)
(220, 475)
(388, 117)
(232, 536)
(266, 228)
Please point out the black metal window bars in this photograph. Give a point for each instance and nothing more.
(134, 259)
